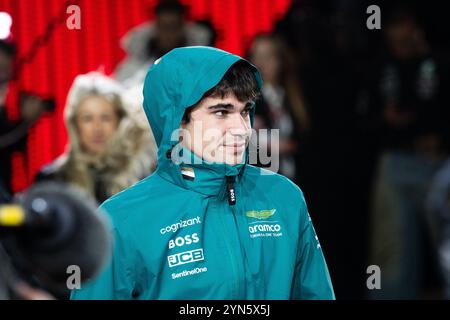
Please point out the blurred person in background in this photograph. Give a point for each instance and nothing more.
(336, 164)
(406, 101)
(149, 41)
(13, 134)
(438, 214)
(282, 105)
(13, 137)
(108, 148)
(7, 53)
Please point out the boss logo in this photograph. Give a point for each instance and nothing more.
(185, 257)
(181, 241)
(232, 195)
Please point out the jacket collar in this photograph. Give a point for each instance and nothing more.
(193, 173)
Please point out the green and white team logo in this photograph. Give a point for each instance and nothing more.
(260, 214)
(263, 227)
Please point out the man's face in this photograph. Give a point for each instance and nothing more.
(219, 129)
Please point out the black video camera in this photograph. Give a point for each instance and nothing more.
(49, 230)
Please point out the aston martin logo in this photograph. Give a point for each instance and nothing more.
(260, 214)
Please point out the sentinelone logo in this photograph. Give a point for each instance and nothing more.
(186, 273)
(181, 224)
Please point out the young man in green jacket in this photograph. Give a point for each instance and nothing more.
(207, 224)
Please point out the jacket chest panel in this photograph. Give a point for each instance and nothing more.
(216, 247)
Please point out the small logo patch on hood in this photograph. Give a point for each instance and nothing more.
(260, 214)
(188, 173)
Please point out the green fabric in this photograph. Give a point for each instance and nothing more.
(181, 239)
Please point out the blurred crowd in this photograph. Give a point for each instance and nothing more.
(363, 130)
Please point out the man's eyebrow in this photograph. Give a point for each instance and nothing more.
(229, 106)
(221, 106)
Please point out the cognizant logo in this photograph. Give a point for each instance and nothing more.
(264, 228)
(181, 224)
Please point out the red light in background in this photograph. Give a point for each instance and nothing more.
(103, 22)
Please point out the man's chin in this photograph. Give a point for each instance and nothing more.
(229, 158)
(234, 159)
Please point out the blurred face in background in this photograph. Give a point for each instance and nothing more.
(170, 30)
(96, 121)
(6, 67)
(405, 38)
(264, 55)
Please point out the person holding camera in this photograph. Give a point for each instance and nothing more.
(13, 134)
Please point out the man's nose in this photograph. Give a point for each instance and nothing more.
(239, 126)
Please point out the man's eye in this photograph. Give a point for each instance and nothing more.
(220, 113)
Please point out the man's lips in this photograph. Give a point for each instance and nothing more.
(235, 145)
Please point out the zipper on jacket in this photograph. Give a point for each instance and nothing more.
(232, 206)
(234, 268)
(231, 191)
(241, 284)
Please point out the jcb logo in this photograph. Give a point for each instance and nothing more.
(185, 257)
(186, 240)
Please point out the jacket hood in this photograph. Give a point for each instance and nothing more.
(175, 82)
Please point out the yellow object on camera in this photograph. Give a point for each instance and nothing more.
(11, 216)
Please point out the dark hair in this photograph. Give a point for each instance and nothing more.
(170, 6)
(8, 48)
(400, 12)
(239, 80)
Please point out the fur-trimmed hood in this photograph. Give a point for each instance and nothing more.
(130, 154)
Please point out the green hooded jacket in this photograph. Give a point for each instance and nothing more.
(198, 230)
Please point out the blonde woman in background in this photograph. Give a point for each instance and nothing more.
(109, 148)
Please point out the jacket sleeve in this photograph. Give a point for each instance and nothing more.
(311, 279)
(115, 282)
